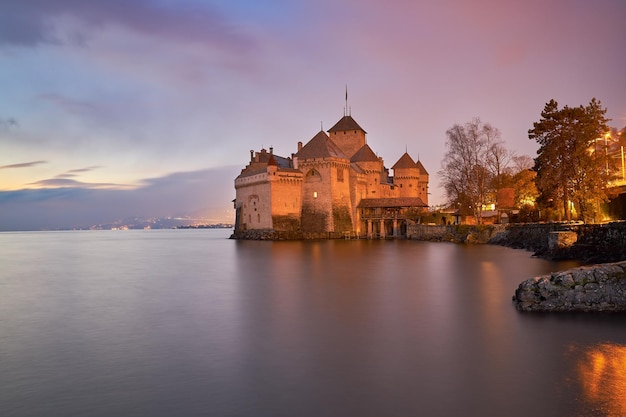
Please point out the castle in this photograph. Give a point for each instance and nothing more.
(333, 186)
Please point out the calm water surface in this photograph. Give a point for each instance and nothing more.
(189, 323)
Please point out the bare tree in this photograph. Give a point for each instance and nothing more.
(498, 158)
(465, 169)
(522, 163)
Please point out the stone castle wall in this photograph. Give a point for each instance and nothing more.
(285, 196)
(254, 197)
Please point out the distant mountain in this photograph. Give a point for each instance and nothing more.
(178, 199)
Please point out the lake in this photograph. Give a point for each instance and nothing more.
(190, 323)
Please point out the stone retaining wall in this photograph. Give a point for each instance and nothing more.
(593, 243)
(585, 289)
(455, 233)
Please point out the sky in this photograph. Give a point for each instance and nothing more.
(111, 109)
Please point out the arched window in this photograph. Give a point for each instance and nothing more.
(313, 176)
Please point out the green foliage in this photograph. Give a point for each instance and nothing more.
(569, 168)
(436, 218)
(413, 213)
(528, 214)
(525, 188)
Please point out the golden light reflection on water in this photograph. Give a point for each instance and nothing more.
(602, 374)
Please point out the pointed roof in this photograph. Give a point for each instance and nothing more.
(405, 162)
(365, 154)
(421, 167)
(346, 123)
(271, 160)
(320, 147)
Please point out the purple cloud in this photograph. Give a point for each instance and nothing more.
(23, 165)
(87, 169)
(68, 104)
(32, 22)
(8, 123)
(64, 182)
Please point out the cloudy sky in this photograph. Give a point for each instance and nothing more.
(119, 108)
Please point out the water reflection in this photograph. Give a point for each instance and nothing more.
(601, 372)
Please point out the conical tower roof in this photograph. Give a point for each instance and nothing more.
(421, 168)
(344, 124)
(320, 146)
(405, 162)
(365, 154)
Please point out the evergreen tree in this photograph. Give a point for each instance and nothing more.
(569, 167)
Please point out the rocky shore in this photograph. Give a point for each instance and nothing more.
(597, 288)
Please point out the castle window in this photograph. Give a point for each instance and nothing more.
(259, 217)
(314, 194)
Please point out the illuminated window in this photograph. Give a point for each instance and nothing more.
(314, 194)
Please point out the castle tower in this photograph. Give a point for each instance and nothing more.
(423, 182)
(347, 135)
(406, 176)
(373, 168)
(410, 178)
(326, 204)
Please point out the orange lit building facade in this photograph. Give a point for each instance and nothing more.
(332, 186)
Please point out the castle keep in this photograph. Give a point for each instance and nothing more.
(333, 186)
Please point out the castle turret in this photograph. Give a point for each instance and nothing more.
(348, 135)
(406, 176)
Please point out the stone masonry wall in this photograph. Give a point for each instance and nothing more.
(454, 233)
(594, 243)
